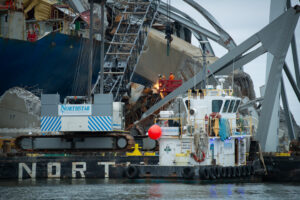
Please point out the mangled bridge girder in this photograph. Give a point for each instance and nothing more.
(271, 39)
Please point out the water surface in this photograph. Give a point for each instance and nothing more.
(141, 189)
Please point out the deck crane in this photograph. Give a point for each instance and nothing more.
(96, 122)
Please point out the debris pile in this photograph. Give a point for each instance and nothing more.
(20, 112)
(135, 110)
(283, 135)
(243, 84)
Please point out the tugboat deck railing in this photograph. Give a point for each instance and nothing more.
(243, 126)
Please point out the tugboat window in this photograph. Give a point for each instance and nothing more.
(226, 106)
(236, 105)
(231, 106)
(216, 105)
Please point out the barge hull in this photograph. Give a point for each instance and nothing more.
(100, 166)
(282, 168)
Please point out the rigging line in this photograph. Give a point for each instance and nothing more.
(168, 10)
(74, 78)
(83, 58)
(82, 82)
(233, 73)
(77, 67)
(94, 57)
(168, 24)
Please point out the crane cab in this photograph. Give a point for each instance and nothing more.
(76, 114)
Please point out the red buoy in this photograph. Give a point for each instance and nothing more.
(154, 132)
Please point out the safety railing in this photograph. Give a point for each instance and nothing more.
(170, 122)
(168, 86)
(232, 126)
(213, 127)
(211, 92)
(218, 92)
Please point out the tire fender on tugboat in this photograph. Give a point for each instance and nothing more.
(252, 171)
(218, 171)
(238, 172)
(204, 173)
(248, 170)
(188, 173)
(212, 173)
(233, 172)
(224, 172)
(244, 170)
(228, 172)
(132, 172)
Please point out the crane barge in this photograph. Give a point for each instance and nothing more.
(87, 123)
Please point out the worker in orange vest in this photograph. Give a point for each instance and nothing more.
(171, 77)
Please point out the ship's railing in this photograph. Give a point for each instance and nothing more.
(213, 127)
(231, 126)
(209, 92)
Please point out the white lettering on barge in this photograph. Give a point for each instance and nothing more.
(31, 172)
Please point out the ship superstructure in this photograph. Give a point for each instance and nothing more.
(204, 128)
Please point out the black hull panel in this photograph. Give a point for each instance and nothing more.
(282, 168)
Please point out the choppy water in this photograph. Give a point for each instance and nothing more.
(141, 189)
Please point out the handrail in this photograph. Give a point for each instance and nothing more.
(238, 126)
(175, 119)
(205, 92)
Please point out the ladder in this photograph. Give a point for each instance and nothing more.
(126, 46)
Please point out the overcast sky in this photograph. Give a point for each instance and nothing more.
(241, 19)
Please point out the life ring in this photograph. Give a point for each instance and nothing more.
(132, 172)
(223, 172)
(238, 172)
(198, 159)
(188, 173)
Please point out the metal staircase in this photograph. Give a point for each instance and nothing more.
(126, 46)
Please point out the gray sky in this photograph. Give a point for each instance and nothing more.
(241, 19)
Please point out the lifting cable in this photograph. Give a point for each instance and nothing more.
(169, 30)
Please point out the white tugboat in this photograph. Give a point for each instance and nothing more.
(204, 129)
(202, 134)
